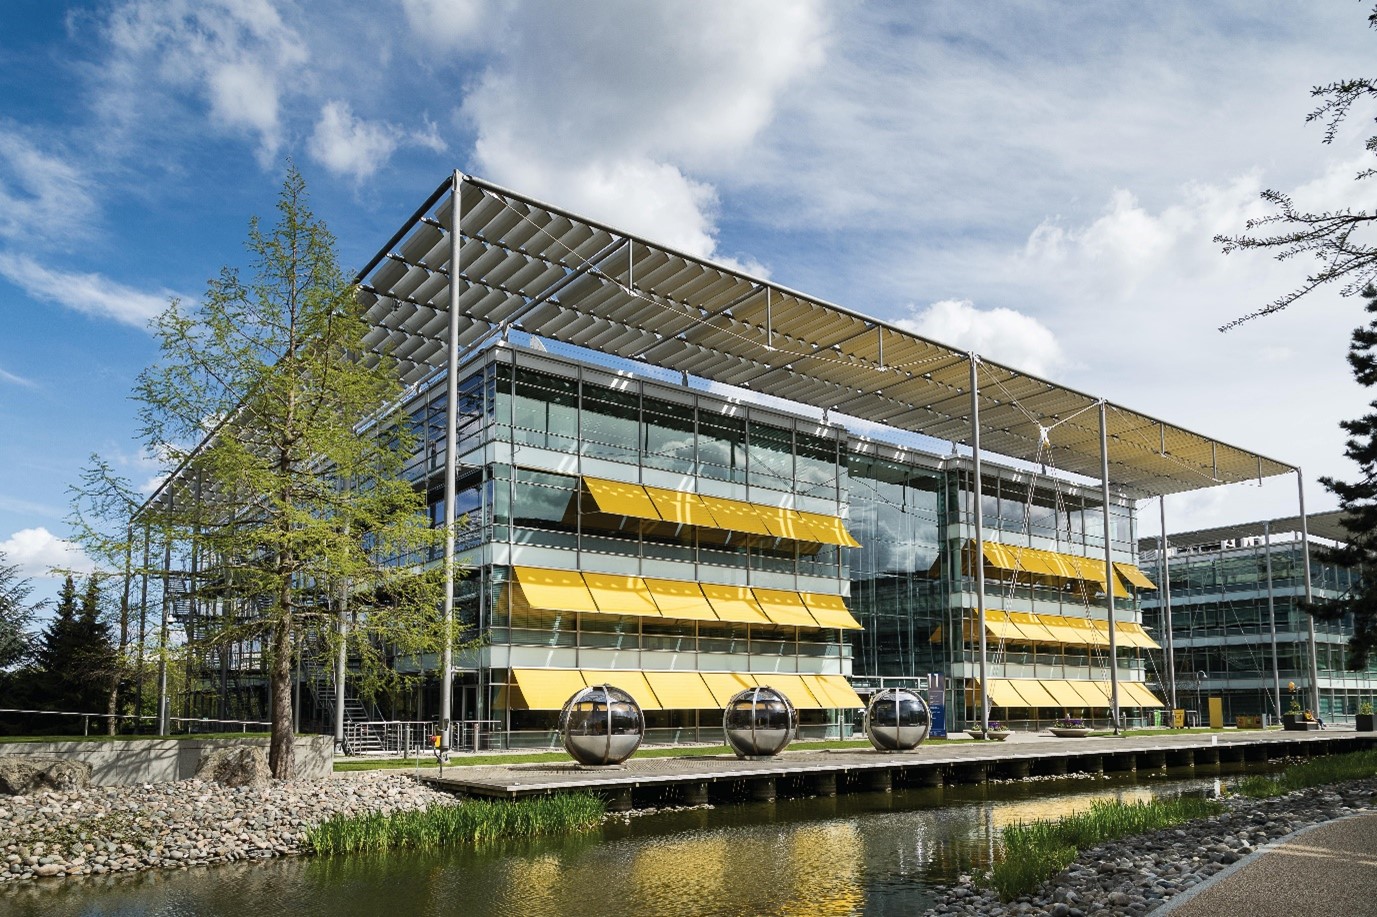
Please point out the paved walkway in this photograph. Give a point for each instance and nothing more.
(1327, 869)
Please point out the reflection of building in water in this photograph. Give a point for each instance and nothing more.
(685, 481)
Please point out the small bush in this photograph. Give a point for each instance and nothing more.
(1357, 765)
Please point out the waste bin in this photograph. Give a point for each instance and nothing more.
(1192, 719)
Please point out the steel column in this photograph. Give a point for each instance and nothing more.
(1164, 591)
(978, 555)
(1309, 597)
(1272, 616)
(451, 447)
(1109, 572)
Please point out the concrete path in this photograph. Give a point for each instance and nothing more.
(1327, 869)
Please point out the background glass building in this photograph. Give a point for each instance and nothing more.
(1238, 625)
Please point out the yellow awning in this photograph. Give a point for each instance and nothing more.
(682, 508)
(784, 608)
(829, 610)
(835, 691)
(621, 595)
(629, 680)
(734, 603)
(1138, 695)
(1129, 633)
(736, 515)
(1033, 693)
(1036, 561)
(1061, 693)
(1092, 693)
(1033, 627)
(548, 689)
(783, 523)
(620, 499)
(791, 686)
(681, 691)
(829, 529)
(1002, 694)
(1093, 635)
(679, 599)
(998, 624)
(1062, 629)
(554, 590)
(1134, 575)
(1144, 638)
(726, 685)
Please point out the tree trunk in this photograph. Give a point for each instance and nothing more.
(281, 758)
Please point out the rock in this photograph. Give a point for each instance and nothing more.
(236, 766)
(24, 774)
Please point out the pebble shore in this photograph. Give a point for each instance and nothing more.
(1137, 874)
(100, 830)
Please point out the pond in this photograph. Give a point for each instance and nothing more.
(864, 853)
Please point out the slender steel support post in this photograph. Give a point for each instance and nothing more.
(1272, 616)
(1309, 596)
(143, 624)
(162, 631)
(341, 663)
(978, 554)
(120, 686)
(1109, 572)
(451, 447)
(1164, 590)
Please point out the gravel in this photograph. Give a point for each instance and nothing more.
(100, 830)
(1132, 876)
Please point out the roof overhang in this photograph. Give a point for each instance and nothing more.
(1318, 525)
(527, 265)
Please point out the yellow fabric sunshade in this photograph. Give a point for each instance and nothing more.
(1092, 634)
(1002, 694)
(1061, 694)
(1033, 627)
(555, 590)
(830, 529)
(1034, 693)
(1134, 575)
(1139, 695)
(548, 689)
(679, 599)
(839, 692)
(1132, 634)
(726, 685)
(829, 610)
(1094, 693)
(794, 687)
(683, 508)
(784, 523)
(631, 681)
(681, 690)
(784, 608)
(619, 499)
(1064, 631)
(621, 595)
(737, 515)
(734, 603)
(1047, 563)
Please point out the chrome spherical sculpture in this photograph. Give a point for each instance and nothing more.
(897, 719)
(601, 725)
(759, 722)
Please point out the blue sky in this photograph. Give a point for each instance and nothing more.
(1036, 181)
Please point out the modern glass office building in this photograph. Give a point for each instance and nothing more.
(684, 481)
(1239, 630)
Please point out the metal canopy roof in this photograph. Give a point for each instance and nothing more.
(1322, 525)
(530, 266)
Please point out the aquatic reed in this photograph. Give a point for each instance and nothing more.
(467, 822)
(1357, 765)
(1034, 851)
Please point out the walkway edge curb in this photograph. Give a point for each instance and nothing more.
(1171, 904)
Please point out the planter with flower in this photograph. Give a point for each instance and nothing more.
(998, 731)
(1363, 722)
(1070, 727)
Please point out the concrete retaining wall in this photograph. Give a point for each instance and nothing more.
(125, 761)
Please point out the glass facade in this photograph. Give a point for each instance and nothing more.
(1222, 621)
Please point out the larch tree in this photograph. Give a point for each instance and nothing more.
(284, 465)
(16, 616)
(1340, 240)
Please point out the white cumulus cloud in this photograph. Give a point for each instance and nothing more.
(37, 552)
(1004, 335)
(89, 293)
(347, 145)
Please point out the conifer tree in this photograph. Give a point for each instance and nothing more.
(16, 615)
(1358, 501)
(57, 651)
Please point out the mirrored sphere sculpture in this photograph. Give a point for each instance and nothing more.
(601, 725)
(897, 719)
(759, 722)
